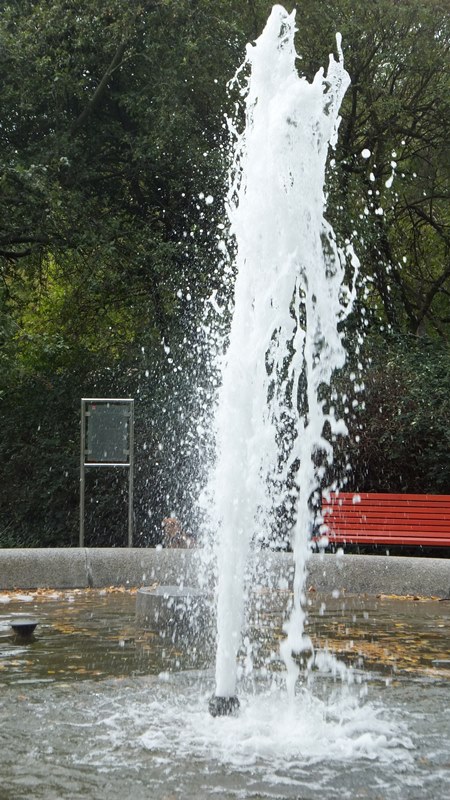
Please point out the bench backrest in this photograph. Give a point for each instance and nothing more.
(369, 518)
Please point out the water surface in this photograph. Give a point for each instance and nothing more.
(93, 707)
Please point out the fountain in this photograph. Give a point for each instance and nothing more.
(99, 707)
(284, 346)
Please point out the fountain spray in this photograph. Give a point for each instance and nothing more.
(284, 343)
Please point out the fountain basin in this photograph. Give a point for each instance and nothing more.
(105, 709)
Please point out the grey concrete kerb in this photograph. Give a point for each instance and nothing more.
(64, 568)
(83, 568)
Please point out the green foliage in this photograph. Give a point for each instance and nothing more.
(400, 439)
(39, 470)
(394, 203)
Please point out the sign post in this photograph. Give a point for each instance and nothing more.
(107, 440)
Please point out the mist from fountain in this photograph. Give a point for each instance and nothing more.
(275, 419)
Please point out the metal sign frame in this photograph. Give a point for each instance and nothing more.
(128, 451)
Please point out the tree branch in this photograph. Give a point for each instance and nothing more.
(100, 90)
(14, 255)
(117, 58)
(8, 240)
(432, 292)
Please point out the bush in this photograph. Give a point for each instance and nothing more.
(404, 430)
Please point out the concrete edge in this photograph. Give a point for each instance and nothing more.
(82, 568)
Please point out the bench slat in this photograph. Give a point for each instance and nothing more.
(359, 499)
(395, 522)
(384, 497)
(397, 516)
(384, 539)
(372, 529)
(346, 533)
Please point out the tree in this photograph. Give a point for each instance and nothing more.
(392, 182)
(111, 128)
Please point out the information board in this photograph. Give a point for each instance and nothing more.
(107, 433)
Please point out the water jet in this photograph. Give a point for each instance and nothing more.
(275, 403)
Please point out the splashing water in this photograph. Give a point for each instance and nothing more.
(284, 343)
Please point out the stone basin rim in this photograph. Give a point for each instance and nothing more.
(72, 568)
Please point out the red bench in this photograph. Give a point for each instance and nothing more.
(386, 519)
